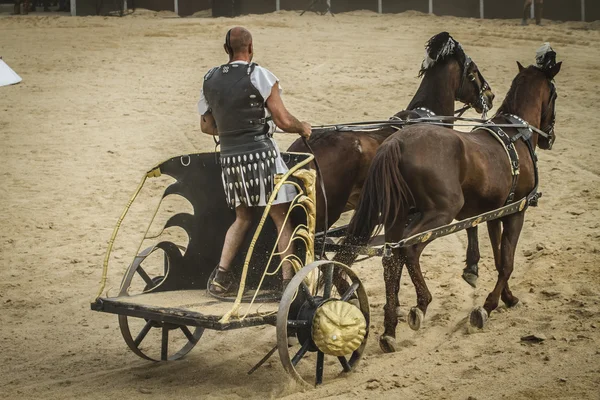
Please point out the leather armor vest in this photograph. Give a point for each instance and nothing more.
(248, 156)
(236, 105)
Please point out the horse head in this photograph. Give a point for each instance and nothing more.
(533, 96)
(472, 89)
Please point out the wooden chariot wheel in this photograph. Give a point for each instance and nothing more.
(324, 322)
(151, 339)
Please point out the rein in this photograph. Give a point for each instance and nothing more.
(437, 120)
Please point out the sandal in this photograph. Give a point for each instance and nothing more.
(222, 283)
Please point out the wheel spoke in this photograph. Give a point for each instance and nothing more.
(142, 334)
(164, 351)
(263, 360)
(309, 296)
(320, 362)
(144, 276)
(350, 291)
(328, 282)
(345, 364)
(188, 334)
(298, 356)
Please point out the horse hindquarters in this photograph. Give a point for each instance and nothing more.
(385, 197)
(339, 165)
(385, 200)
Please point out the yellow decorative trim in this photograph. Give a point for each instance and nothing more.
(154, 173)
(280, 181)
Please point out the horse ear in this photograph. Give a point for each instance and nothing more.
(521, 68)
(553, 71)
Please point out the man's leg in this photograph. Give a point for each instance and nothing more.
(526, 11)
(278, 213)
(223, 279)
(539, 8)
(235, 236)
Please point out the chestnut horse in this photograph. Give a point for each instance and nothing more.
(344, 157)
(446, 174)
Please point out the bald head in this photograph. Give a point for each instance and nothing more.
(238, 43)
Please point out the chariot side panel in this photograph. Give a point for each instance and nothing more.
(198, 179)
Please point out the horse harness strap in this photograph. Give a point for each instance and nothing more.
(421, 112)
(525, 133)
(511, 152)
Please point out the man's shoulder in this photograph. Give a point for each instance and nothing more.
(262, 69)
(210, 73)
(265, 74)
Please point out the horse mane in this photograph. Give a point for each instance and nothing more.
(515, 97)
(439, 48)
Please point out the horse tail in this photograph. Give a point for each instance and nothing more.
(385, 198)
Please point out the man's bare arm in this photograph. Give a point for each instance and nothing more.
(208, 124)
(282, 117)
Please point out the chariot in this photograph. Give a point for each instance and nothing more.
(171, 303)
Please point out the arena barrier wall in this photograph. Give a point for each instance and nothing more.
(563, 10)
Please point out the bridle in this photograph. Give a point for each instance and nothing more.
(548, 131)
(484, 87)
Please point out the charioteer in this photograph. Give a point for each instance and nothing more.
(241, 103)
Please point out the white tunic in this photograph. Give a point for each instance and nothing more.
(263, 80)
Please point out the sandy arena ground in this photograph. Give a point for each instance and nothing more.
(104, 99)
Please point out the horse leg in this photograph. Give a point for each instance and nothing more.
(471, 271)
(506, 254)
(417, 314)
(412, 255)
(392, 272)
(495, 232)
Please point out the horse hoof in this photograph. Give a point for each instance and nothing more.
(387, 344)
(470, 278)
(415, 317)
(478, 317)
(512, 302)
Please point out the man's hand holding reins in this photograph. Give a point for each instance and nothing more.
(306, 131)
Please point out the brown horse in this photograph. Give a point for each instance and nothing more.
(344, 157)
(447, 174)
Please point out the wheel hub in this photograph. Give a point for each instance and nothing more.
(307, 313)
(338, 328)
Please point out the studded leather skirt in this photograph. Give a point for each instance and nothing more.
(248, 171)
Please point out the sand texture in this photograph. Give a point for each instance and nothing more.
(103, 99)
